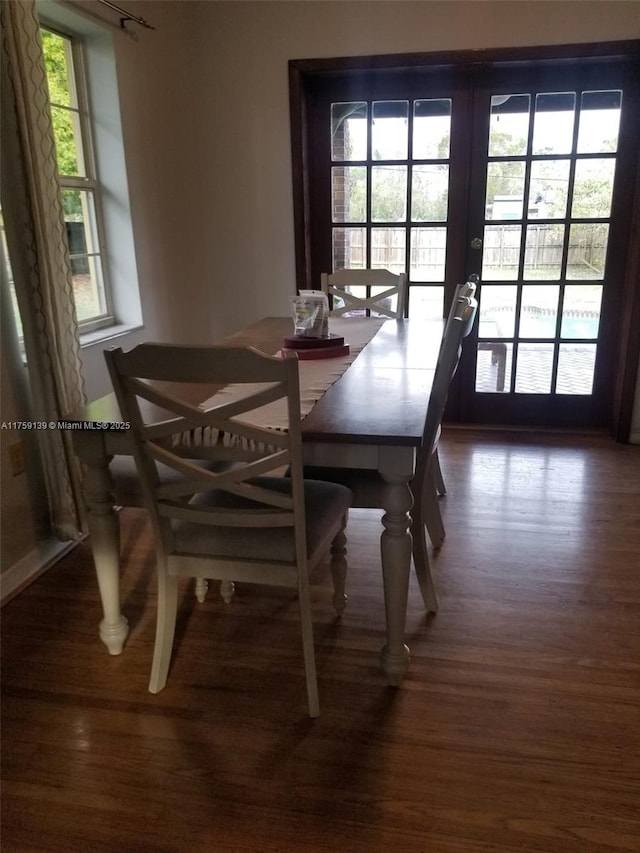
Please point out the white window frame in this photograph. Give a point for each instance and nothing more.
(96, 39)
(89, 182)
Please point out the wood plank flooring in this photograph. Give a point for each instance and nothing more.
(517, 728)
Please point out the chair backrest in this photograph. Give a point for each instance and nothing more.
(463, 291)
(151, 383)
(370, 291)
(458, 327)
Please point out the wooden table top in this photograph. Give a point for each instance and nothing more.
(380, 399)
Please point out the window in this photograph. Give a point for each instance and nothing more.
(81, 198)
(93, 171)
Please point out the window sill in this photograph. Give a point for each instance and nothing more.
(99, 336)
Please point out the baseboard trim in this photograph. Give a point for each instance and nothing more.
(31, 566)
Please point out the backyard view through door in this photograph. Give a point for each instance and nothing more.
(513, 181)
(543, 223)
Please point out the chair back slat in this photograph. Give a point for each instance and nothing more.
(463, 291)
(334, 284)
(253, 451)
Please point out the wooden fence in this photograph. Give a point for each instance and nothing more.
(544, 248)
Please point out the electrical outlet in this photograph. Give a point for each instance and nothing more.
(16, 458)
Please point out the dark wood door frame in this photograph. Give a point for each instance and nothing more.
(304, 73)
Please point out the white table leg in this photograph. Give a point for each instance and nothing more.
(395, 545)
(104, 529)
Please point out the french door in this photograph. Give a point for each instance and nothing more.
(520, 173)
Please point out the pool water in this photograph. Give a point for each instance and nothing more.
(542, 326)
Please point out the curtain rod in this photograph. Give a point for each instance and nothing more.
(126, 16)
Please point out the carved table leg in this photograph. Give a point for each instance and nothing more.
(104, 529)
(202, 588)
(395, 546)
(227, 590)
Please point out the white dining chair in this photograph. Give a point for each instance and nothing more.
(368, 486)
(243, 523)
(371, 292)
(468, 288)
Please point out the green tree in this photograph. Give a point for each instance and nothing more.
(506, 178)
(57, 62)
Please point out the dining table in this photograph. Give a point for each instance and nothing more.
(371, 415)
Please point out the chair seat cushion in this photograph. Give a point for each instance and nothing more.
(325, 505)
(126, 480)
(366, 485)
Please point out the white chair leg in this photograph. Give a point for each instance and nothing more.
(165, 630)
(441, 489)
(202, 587)
(306, 627)
(430, 510)
(422, 567)
(339, 571)
(310, 667)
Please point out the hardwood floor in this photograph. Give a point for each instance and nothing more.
(517, 728)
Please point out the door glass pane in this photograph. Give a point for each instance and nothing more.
(593, 188)
(359, 291)
(509, 125)
(534, 368)
(349, 131)
(599, 122)
(390, 130)
(543, 253)
(581, 311)
(349, 193)
(498, 310)
(587, 250)
(501, 252)
(431, 129)
(426, 302)
(349, 248)
(549, 185)
(576, 364)
(429, 193)
(81, 227)
(388, 193)
(539, 310)
(553, 123)
(505, 190)
(389, 302)
(428, 252)
(388, 249)
(493, 367)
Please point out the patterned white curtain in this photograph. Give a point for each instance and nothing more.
(35, 230)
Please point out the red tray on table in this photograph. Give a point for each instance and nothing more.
(309, 348)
